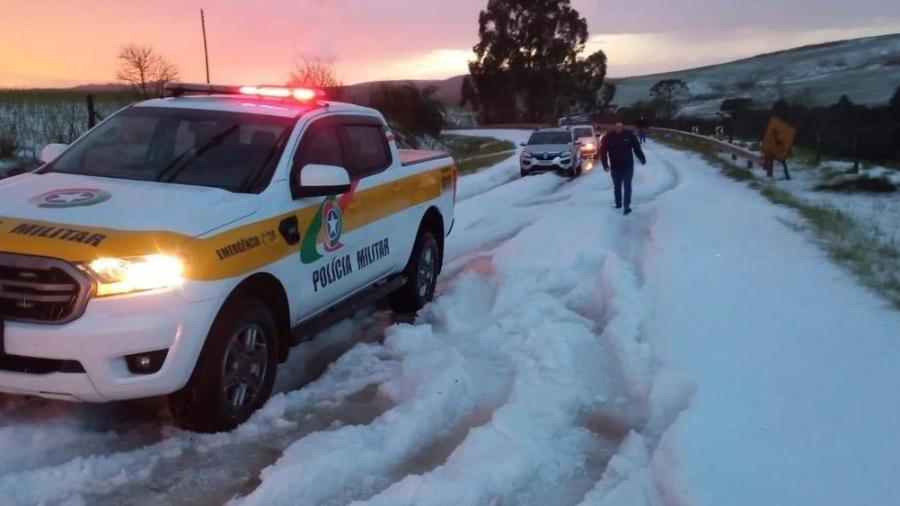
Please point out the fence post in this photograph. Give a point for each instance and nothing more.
(92, 114)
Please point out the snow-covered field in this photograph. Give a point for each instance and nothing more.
(875, 215)
(880, 213)
(698, 352)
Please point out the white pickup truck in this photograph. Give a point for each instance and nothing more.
(183, 245)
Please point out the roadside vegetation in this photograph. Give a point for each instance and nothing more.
(863, 248)
(475, 153)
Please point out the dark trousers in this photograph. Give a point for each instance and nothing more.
(642, 134)
(622, 177)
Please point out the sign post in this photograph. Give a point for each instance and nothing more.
(777, 144)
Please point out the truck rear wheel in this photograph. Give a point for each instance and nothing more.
(422, 271)
(235, 373)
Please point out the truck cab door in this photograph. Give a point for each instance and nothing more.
(377, 209)
(326, 264)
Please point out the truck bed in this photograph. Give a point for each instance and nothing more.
(414, 156)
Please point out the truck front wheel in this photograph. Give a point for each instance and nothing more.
(236, 370)
(422, 272)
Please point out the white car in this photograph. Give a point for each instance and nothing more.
(587, 139)
(183, 245)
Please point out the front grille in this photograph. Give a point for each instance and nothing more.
(41, 290)
(31, 365)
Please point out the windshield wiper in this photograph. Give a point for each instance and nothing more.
(252, 178)
(179, 164)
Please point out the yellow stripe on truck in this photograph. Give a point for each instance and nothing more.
(224, 255)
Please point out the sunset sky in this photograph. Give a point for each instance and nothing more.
(46, 43)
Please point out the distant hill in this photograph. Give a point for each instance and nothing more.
(867, 70)
(101, 88)
(448, 90)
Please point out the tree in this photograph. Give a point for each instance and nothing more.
(146, 72)
(733, 108)
(313, 73)
(526, 58)
(607, 94)
(847, 112)
(590, 76)
(666, 93)
(412, 112)
(894, 106)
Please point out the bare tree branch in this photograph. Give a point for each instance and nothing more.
(313, 73)
(145, 71)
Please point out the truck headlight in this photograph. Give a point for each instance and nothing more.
(117, 276)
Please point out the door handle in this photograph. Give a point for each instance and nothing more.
(289, 228)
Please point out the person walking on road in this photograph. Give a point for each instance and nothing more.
(642, 129)
(617, 151)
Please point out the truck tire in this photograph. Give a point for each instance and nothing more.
(422, 271)
(235, 372)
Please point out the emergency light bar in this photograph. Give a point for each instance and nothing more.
(299, 94)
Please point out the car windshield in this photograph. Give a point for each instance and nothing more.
(581, 133)
(550, 138)
(227, 150)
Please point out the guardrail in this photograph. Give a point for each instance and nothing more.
(501, 126)
(736, 152)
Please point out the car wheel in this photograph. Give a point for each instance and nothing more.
(235, 373)
(422, 271)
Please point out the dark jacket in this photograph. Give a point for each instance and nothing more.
(616, 150)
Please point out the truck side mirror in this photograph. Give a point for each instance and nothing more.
(316, 180)
(51, 152)
(522, 144)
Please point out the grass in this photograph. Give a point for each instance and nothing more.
(860, 249)
(474, 165)
(476, 153)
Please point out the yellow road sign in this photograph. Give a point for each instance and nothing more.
(779, 139)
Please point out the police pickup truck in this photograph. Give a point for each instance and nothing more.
(183, 245)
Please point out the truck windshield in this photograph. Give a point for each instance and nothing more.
(550, 138)
(232, 151)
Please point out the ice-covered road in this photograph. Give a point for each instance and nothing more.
(698, 352)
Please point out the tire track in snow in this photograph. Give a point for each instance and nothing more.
(502, 462)
(657, 396)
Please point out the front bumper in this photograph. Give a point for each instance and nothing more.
(110, 329)
(534, 165)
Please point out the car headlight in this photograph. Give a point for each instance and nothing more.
(526, 154)
(117, 276)
(587, 147)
